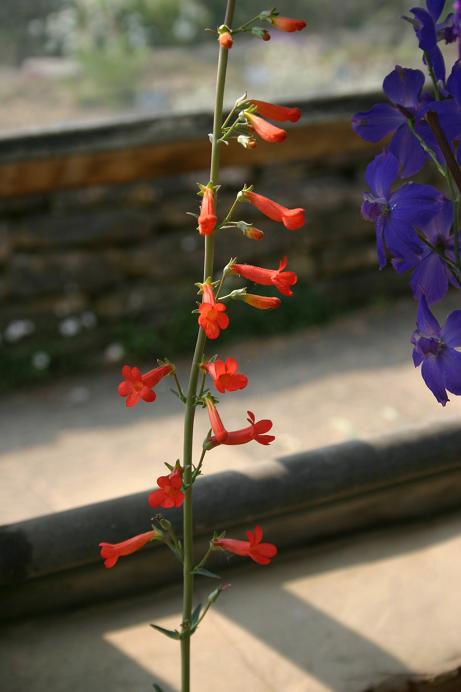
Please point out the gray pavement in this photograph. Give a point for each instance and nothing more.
(338, 618)
(73, 442)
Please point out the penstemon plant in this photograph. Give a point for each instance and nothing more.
(245, 121)
(418, 226)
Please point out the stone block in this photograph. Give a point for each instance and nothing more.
(102, 227)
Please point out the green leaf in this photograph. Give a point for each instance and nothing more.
(195, 616)
(172, 634)
(206, 573)
(157, 688)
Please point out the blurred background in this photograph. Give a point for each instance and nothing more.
(73, 60)
(88, 251)
(106, 106)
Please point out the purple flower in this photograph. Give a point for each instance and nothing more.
(403, 87)
(431, 275)
(449, 110)
(429, 33)
(434, 347)
(396, 214)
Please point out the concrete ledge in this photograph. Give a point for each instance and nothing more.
(52, 562)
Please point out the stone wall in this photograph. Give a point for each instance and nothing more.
(97, 275)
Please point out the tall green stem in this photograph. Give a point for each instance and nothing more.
(188, 580)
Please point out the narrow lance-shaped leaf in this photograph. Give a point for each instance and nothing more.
(172, 634)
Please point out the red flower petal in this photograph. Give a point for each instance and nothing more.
(274, 112)
(265, 130)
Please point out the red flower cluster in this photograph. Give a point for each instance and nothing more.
(255, 431)
(267, 131)
(170, 491)
(292, 219)
(225, 376)
(112, 551)
(212, 318)
(136, 386)
(262, 553)
(268, 277)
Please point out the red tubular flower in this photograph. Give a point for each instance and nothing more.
(268, 277)
(262, 553)
(169, 493)
(225, 376)
(255, 431)
(207, 219)
(292, 219)
(112, 551)
(274, 112)
(288, 24)
(225, 40)
(267, 131)
(136, 386)
(220, 432)
(261, 302)
(212, 318)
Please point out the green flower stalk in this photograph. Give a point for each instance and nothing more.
(175, 489)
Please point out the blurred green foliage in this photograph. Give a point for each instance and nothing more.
(65, 27)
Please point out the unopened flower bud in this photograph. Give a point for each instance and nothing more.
(225, 40)
(165, 524)
(253, 233)
(261, 302)
(261, 33)
(246, 142)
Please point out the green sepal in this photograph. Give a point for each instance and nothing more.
(214, 595)
(157, 688)
(172, 634)
(206, 573)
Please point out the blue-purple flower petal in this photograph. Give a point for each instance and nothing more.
(450, 364)
(400, 237)
(435, 58)
(380, 243)
(415, 204)
(408, 150)
(417, 357)
(430, 278)
(376, 123)
(381, 173)
(435, 8)
(425, 29)
(426, 323)
(403, 86)
(451, 331)
(438, 228)
(433, 376)
(454, 83)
